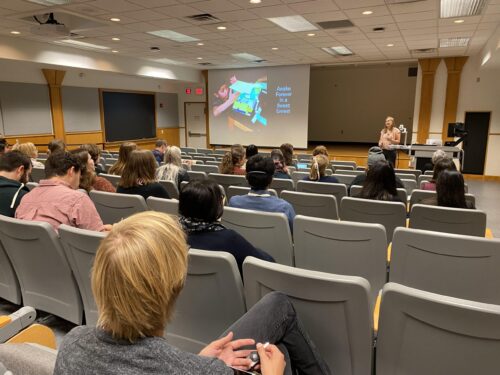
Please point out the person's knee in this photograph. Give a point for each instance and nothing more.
(277, 301)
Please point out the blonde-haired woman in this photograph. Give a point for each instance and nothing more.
(30, 150)
(123, 157)
(172, 170)
(318, 168)
(389, 136)
(139, 270)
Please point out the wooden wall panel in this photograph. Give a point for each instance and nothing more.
(40, 140)
(428, 67)
(171, 135)
(73, 140)
(54, 80)
(454, 66)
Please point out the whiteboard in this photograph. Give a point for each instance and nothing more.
(81, 109)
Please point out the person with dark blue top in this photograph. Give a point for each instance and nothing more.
(318, 168)
(280, 168)
(159, 151)
(259, 174)
(201, 204)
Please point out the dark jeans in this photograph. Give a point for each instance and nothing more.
(390, 156)
(273, 319)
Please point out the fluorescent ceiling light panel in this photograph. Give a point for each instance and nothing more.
(293, 23)
(246, 56)
(461, 8)
(81, 44)
(50, 2)
(168, 61)
(338, 51)
(172, 35)
(453, 42)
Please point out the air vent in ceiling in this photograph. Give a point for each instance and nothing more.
(204, 17)
(259, 61)
(205, 63)
(423, 50)
(328, 25)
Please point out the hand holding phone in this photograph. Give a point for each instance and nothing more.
(272, 361)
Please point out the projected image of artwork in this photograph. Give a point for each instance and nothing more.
(248, 101)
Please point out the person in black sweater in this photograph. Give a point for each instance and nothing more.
(15, 169)
(200, 208)
(138, 176)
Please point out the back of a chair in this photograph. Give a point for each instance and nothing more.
(37, 174)
(339, 191)
(114, 179)
(188, 150)
(428, 173)
(349, 172)
(406, 176)
(344, 178)
(448, 220)
(409, 185)
(204, 158)
(113, 207)
(426, 333)
(341, 162)
(343, 168)
(206, 151)
(419, 196)
(450, 264)
(168, 206)
(315, 205)
(211, 300)
(299, 176)
(268, 231)
(213, 162)
(415, 172)
(194, 175)
(80, 246)
(205, 168)
(334, 310)
(423, 178)
(220, 152)
(280, 184)
(43, 272)
(171, 188)
(226, 180)
(243, 190)
(389, 214)
(9, 285)
(342, 247)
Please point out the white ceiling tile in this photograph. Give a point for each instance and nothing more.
(20, 6)
(313, 6)
(378, 11)
(375, 21)
(414, 7)
(274, 11)
(325, 16)
(115, 5)
(215, 6)
(491, 18)
(473, 20)
(167, 24)
(420, 16)
(256, 24)
(236, 15)
(492, 9)
(153, 3)
(142, 15)
(349, 4)
(408, 25)
(178, 10)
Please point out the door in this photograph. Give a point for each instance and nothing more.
(477, 125)
(196, 125)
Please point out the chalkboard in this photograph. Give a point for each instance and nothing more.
(128, 116)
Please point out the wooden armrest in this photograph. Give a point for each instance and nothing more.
(376, 312)
(37, 334)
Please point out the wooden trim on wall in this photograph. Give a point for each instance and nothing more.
(171, 135)
(428, 67)
(204, 73)
(79, 138)
(40, 140)
(54, 80)
(454, 66)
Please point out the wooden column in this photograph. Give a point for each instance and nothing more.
(54, 80)
(454, 66)
(204, 73)
(428, 67)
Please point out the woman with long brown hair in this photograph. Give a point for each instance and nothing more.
(233, 161)
(123, 156)
(390, 135)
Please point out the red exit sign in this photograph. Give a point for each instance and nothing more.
(188, 91)
(198, 91)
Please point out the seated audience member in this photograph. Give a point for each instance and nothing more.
(287, 150)
(88, 179)
(30, 151)
(4, 146)
(159, 151)
(233, 161)
(172, 170)
(318, 168)
(95, 154)
(443, 164)
(56, 199)
(375, 154)
(280, 168)
(250, 151)
(380, 183)
(139, 270)
(260, 171)
(123, 157)
(15, 168)
(320, 150)
(138, 177)
(201, 204)
(450, 191)
(55, 145)
(436, 156)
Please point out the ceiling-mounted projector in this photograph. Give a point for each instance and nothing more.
(50, 27)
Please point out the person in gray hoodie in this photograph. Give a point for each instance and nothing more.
(15, 169)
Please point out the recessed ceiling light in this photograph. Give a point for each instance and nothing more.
(115, 39)
(78, 43)
(453, 42)
(15, 32)
(199, 58)
(246, 56)
(311, 34)
(115, 51)
(114, 19)
(50, 2)
(275, 48)
(459, 21)
(338, 51)
(200, 44)
(221, 27)
(293, 23)
(255, 1)
(461, 8)
(367, 12)
(173, 35)
(390, 45)
(168, 61)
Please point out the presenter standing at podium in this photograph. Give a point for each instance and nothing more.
(390, 135)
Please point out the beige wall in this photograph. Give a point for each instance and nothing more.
(349, 104)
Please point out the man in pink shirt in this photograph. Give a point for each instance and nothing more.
(57, 201)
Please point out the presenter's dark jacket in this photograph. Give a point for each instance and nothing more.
(11, 192)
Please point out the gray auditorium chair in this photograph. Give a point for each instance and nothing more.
(426, 333)
(280, 184)
(409, 185)
(349, 172)
(449, 220)
(299, 175)
(344, 178)
(226, 180)
(37, 174)
(9, 285)
(211, 300)
(220, 152)
(355, 190)
(243, 190)
(188, 150)
(204, 159)
(406, 176)
(205, 168)
(171, 188)
(415, 172)
(343, 168)
(269, 231)
(41, 266)
(113, 207)
(347, 163)
(206, 151)
(339, 191)
(342, 247)
(315, 205)
(334, 309)
(291, 169)
(193, 175)
(213, 162)
(307, 157)
(453, 265)
(113, 178)
(168, 206)
(428, 173)
(423, 178)
(418, 196)
(80, 246)
(31, 185)
(389, 214)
